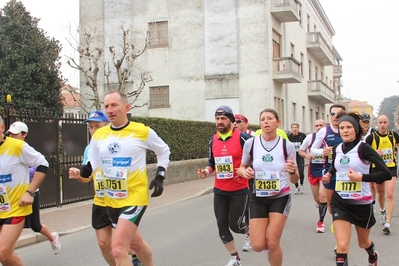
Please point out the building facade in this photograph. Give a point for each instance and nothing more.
(361, 107)
(248, 54)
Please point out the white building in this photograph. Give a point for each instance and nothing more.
(248, 54)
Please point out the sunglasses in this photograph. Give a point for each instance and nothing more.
(319, 125)
(334, 113)
(238, 121)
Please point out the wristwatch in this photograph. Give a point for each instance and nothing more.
(31, 193)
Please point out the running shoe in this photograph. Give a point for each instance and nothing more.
(387, 228)
(301, 189)
(375, 262)
(136, 261)
(316, 205)
(233, 261)
(56, 245)
(320, 228)
(247, 246)
(383, 217)
(296, 191)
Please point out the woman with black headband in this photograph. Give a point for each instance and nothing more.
(351, 201)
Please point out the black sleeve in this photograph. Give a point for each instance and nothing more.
(211, 159)
(244, 137)
(369, 139)
(396, 137)
(332, 169)
(380, 172)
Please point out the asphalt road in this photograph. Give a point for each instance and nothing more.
(185, 234)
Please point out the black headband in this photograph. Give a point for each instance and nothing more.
(351, 120)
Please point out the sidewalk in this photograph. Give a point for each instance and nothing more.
(77, 216)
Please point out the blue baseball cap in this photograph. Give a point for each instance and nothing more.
(97, 116)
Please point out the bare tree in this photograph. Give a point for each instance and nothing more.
(123, 66)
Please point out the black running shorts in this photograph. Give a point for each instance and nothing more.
(260, 207)
(99, 217)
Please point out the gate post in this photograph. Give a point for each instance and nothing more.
(9, 112)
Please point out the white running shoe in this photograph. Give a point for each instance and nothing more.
(301, 189)
(387, 228)
(320, 228)
(56, 245)
(296, 191)
(233, 261)
(247, 246)
(383, 217)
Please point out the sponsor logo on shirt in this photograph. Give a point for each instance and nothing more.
(117, 162)
(122, 161)
(5, 178)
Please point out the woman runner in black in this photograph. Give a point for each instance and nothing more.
(351, 201)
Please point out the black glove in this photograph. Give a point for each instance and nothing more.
(157, 184)
(86, 170)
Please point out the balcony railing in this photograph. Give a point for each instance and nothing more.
(285, 10)
(320, 92)
(337, 71)
(287, 70)
(317, 46)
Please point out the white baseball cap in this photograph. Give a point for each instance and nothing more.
(18, 127)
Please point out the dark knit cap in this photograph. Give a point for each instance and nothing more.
(226, 111)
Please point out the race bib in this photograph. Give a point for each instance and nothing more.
(4, 200)
(99, 185)
(318, 159)
(297, 145)
(346, 188)
(387, 156)
(115, 182)
(267, 184)
(224, 167)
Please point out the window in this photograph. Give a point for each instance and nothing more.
(310, 70)
(158, 34)
(301, 66)
(294, 119)
(276, 45)
(308, 24)
(159, 97)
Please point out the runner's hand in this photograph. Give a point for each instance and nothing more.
(157, 184)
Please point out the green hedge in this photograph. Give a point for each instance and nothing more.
(186, 139)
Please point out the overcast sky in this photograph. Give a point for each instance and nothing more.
(366, 38)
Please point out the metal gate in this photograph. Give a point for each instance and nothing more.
(62, 141)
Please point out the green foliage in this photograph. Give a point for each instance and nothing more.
(186, 139)
(29, 62)
(388, 107)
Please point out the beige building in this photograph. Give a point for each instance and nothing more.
(360, 107)
(247, 54)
